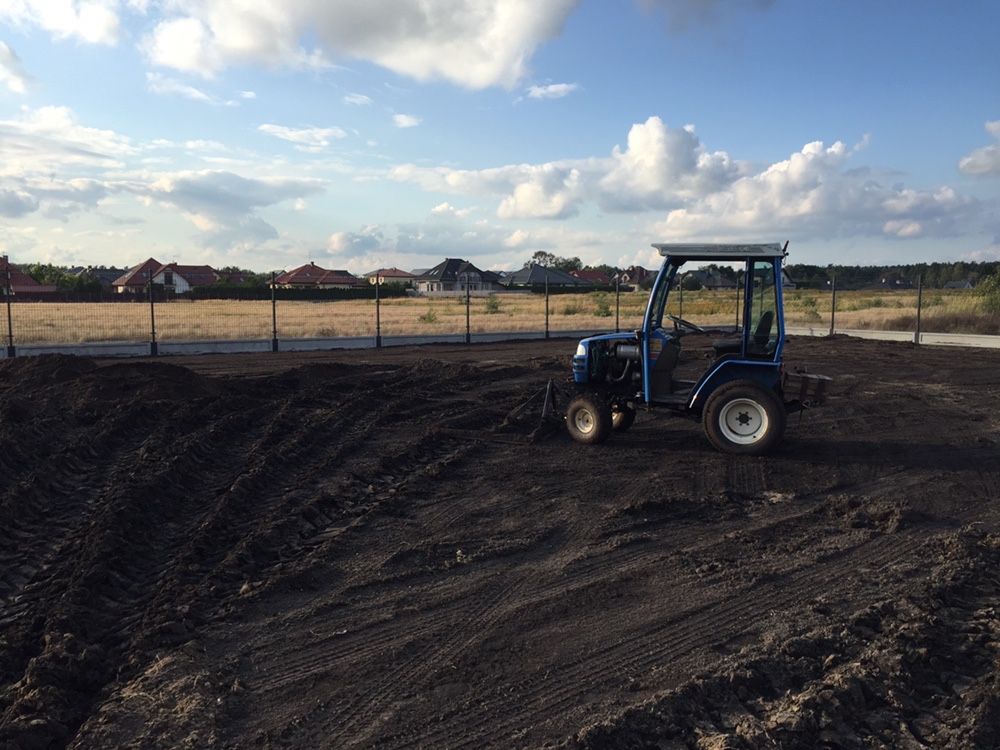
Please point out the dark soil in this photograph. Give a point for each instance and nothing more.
(350, 549)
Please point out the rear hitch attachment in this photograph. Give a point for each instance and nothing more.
(551, 419)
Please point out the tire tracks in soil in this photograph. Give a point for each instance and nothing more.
(564, 687)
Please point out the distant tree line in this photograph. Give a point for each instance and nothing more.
(934, 275)
(62, 278)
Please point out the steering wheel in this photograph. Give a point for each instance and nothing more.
(681, 323)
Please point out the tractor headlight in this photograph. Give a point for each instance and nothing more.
(581, 350)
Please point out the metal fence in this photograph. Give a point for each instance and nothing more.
(155, 321)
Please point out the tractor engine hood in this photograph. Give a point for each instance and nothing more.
(581, 364)
(584, 346)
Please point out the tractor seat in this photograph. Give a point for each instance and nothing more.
(758, 342)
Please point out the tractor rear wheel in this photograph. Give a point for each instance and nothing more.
(743, 418)
(588, 419)
(622, 417)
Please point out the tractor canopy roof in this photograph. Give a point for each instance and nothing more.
(719, 252)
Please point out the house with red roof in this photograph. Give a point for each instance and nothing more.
(178, 279)
(172, 277)
(390, 275)
(311, 276)
(638, 275)
(134, 280)
(595, 277)
(20, 282)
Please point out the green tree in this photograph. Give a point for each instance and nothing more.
(989, 290)
(690, 283)
(550, 260)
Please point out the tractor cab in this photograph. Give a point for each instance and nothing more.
(739, 395)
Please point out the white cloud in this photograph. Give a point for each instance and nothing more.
(12, 75)
(49, 140)
(248, 95)
(221, 204)
(52, 164)
(811, 194)
(160, 84)
(552, 90)
(183, 44)
(359, 100)
(903, 228)
(986, 160)
(406, 121)
(369, 238)
(708, 193)
(661, 166)
(446, 209)
(17, 203)
(990, 252)
(306, 139)
(517, 238)
(91, 21)
(474, 43)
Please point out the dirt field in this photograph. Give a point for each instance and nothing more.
(345, 550)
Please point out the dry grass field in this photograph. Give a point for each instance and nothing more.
(942, 311)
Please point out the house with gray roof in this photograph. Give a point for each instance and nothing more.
(533, 276)
(456, 275)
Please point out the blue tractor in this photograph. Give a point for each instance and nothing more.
(742, 398)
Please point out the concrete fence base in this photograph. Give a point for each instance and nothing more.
(165, 348)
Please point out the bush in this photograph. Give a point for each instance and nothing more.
(602, 306)
(808, 302)
(428, 317)
(492, 304)
(571, 309)
(989, 290)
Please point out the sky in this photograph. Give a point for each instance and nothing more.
(372, 133)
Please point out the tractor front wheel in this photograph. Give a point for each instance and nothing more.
(588, 419)
(744, 418)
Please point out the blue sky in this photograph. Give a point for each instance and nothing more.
(359, 133)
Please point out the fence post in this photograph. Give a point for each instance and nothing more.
(833, 305)
(274, 316)
(546, 303)
(468, 296)
(378, 312)
(152, 316)
(617, 304)
(920, 300)
(11, 351)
